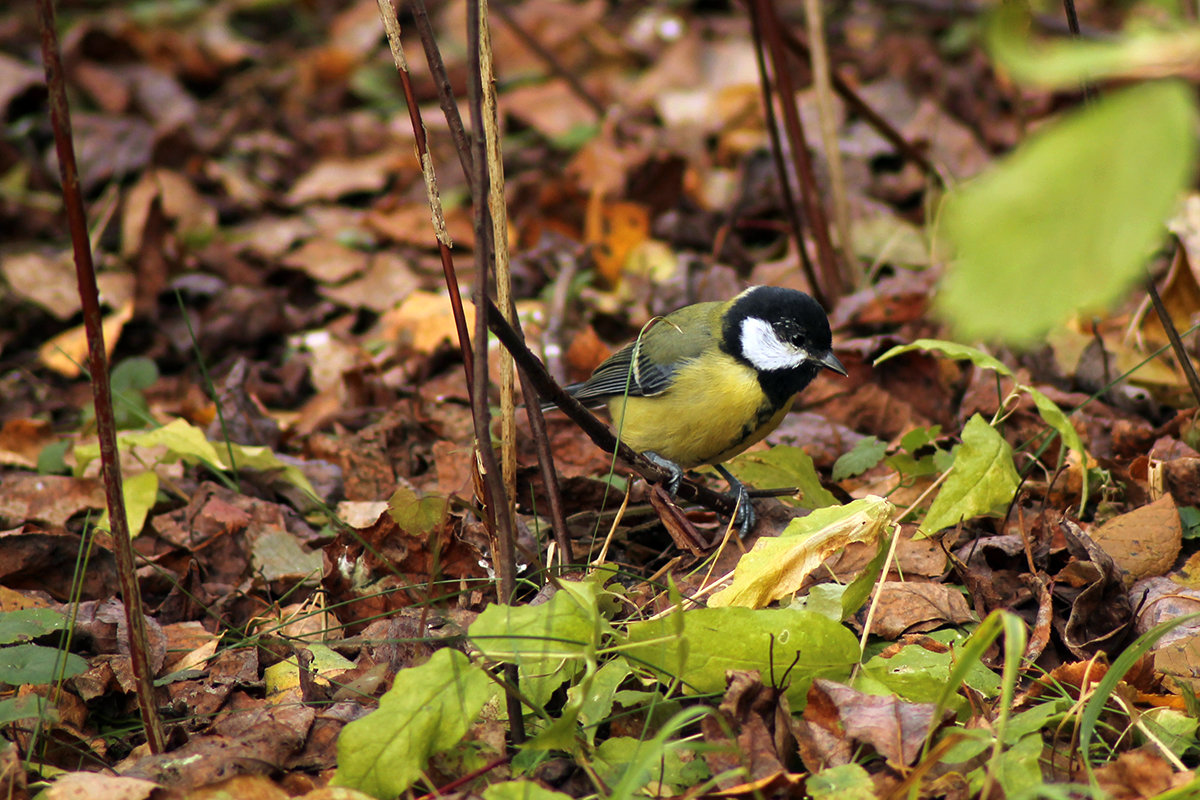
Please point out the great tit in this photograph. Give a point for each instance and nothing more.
(705, 382)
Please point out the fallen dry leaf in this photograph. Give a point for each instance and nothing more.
(1144, 542)
(916, 607)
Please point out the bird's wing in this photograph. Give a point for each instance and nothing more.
(619, 375)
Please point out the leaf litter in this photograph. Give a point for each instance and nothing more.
(315, 567)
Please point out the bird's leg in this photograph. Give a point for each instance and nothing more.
(744, 517)
(673, 470)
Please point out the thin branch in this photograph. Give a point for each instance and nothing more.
(437, 69)
(822, 86)
(810, 195)
(504, 555)
(391, 25)
(785, 183)
(106, 428)
(1181, 354)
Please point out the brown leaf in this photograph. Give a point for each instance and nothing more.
(1145, 541)
(96, 786)
(43, 560)
(326, 260)
(22, 441)
(895, 728)
(1138, 774)
(334, 178)
(761, 721)
(909, 606)
(1101, 615)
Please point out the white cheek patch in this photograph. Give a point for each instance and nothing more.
(765, 350)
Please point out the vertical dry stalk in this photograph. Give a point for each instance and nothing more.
(391, 26)
(499, 212)
(823, 88)
(814, 211)
(106, 428)
(503, 533)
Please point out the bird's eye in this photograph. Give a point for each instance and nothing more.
(798, 339)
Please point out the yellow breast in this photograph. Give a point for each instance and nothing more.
(714, 410)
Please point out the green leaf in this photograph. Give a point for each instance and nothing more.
(141, 493)
(428, 710)
(31, 706)
(521, 790)
(417, 514)
(1017, 768)
(1175, 729)
(568, 624)
(627, 764)
(845, 782)
(715, 640)
(1062, 63)
(185, 441)
(920, 676)
(548, 642)
(1066, 221)
(52, 460)
(596, 698)
(867, 452)
(982, 479)
(134, 374)
(783, 467)
(953, 350)
(1053, 416)
(778, 565)
(1190, 517)
(34, 664)
(29, 623)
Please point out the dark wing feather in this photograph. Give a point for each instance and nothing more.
(616, 376)
(676, 339)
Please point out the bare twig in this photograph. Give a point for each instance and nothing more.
(1181, 354)
(829, 140)
(503, 534)
(60, 119)
(433, 58)
(437, 68)
(558, 514)
(785, 184)
(499, 215)
(814, 210)
(391, 26)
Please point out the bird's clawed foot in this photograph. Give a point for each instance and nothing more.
(673, 470)
(744, 518)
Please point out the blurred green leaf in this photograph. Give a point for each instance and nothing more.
(1065, 63)
(1065, 223)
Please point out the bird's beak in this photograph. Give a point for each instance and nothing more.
(830, 361)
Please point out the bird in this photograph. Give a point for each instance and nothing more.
(705, 382)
